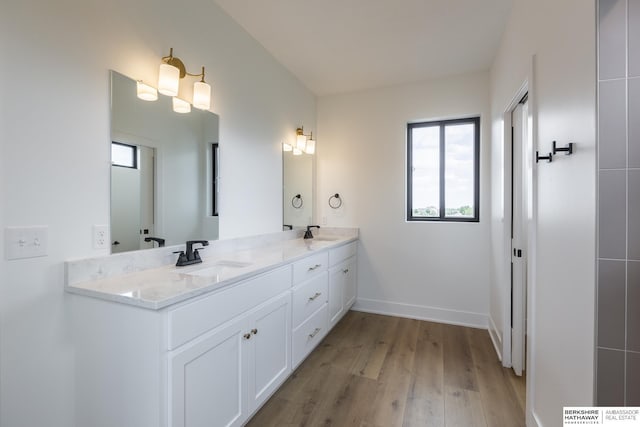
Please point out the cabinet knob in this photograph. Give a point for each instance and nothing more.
(315, 296)
(345, 271)
(254, 331)
(314, 333)
(247, 336)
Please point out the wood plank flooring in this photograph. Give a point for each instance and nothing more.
(382, 371)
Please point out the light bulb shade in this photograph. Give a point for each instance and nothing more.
(201, 95)
(311, 146)
(181, 106)
(168, 80)
(301, 142)
(146, 92)
(297, 151)
(287, 147)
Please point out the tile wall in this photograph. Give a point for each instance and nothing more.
(618, 302)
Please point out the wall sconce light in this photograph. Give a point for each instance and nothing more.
(146, 92)
(171, 71)
(304, 144)
(181, 106)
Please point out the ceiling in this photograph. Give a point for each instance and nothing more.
(336, 46)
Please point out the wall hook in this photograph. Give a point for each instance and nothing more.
(549, 158)
(568, 150)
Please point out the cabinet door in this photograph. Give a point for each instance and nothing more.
(207, 379)
(349, 291)
(336, 299)
(269, 362)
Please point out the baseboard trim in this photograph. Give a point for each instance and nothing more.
(495, 338)
(421, 312)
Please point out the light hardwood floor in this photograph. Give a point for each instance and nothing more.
(382, 371)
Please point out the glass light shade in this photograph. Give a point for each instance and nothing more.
(146, 92)
(297, 151)
(168, 80)
(181, 106)
(201, 95)
(301, 142)
(311, 146)
(287, 147)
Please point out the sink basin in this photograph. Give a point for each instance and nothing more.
(215, 269)
(325, 239)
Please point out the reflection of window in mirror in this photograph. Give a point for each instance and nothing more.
(215, 168)
(124, 155)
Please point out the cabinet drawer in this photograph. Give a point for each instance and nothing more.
(309, 267)
(338, 255)
(191, 320)
(309, 297)
(307, 336)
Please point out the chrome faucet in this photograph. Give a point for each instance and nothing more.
(307, 234)
(191, 256)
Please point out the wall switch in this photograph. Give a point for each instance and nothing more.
(26, 242)
(101, 237)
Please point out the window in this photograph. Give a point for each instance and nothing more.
(124, 155)
(215, 168)
(443, 170)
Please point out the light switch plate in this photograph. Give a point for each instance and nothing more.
(26, 242)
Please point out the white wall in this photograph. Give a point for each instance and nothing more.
(55, 157)
(429, 270)
(561, 35)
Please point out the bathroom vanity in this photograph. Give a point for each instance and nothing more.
(204, 345)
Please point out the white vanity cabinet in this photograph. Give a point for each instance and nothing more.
(342, 281)
(222, 377)
(211, 360)
(310, 296)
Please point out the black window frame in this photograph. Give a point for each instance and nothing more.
(442, 213)
(134, 149)
(215, 155)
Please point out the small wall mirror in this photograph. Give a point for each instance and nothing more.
(164, 171)
(297, 191)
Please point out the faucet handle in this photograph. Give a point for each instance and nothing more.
(182, 258)
(196, 254)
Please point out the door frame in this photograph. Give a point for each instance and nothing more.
(527, 87)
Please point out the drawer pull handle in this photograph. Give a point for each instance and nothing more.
(345, 271)
(247, 336)
(315, 296)
(314, 267)
(314, 333)
(254, 331)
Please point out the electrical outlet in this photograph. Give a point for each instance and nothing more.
(100, 236)
(324, 220)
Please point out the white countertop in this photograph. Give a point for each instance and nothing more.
(156, 288)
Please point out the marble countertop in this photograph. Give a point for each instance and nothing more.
(159, 287)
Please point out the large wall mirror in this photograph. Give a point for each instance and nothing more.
(297, 193)
(164, 171)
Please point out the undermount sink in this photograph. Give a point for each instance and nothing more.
(325, 239)
(214, 269)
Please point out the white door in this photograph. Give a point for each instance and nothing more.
(270, 348)
(125, 209)
(207, 380)
(519, 237)
(336, 298)
(349, 291)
